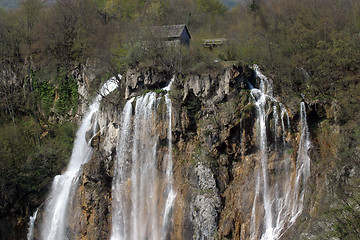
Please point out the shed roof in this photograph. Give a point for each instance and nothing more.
(170, 31)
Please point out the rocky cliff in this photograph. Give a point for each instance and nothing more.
(217, 156)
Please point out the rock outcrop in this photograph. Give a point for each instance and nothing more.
(215, 155)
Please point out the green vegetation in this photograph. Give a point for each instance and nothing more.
(68, 95)
(309, 34)
(345, 197)
(44, 92)
(317, 39)
(63, 97)
(312, 46)
(31, 155)
(309, 47)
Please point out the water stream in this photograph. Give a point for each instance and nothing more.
(143, 194)
(53, 226)
(279, 198)
(30, 234)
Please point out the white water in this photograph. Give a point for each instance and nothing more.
(168, 166)
(30, 234)
(53, 226)
(302, 167)
(119, 180)
(143, 195)
(277, 203)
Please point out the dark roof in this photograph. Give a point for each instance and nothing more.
(170, 31)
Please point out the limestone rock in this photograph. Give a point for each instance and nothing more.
(93, 197)
(205, 205)
(215, 155)
(138, 80)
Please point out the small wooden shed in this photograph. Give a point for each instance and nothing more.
(173, 34)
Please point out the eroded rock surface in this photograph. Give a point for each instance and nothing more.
(215, 154)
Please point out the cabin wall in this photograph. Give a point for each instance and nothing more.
(185, 38)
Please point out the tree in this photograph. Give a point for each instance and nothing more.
(68, 35)
(10, 39)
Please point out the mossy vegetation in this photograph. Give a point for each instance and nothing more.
(60, 97)
(44, 92)
(68, 95)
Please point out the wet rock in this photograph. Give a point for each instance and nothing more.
(84, 75)
(205, 204)
(215, 155)
(95, 140)
(138, 80)
(93, 197)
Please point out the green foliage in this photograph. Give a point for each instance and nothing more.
(118, 9)
(31, 155)
(68, 94)
(120, 58)
(60, 140)
(63, 96)
(44, 92)
(195, 59)
(344, 213)
(311, 36)
(211, 7)
(13, 146)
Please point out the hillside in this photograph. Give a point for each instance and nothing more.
(231, 124)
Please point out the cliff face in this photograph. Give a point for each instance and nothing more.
(217, 159)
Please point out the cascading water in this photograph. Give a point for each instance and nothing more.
(168, 166)
(143, 194)
(302, 167)
(278, 200)
(53, 226)
(30, 234)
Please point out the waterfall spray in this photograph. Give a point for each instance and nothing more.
(278, 203)
(143, 195)
(53, 226)
(30, 234)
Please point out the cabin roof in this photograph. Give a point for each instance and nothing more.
(170, 31)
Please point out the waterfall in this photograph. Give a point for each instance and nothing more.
(30, 234)
(278, 199)
(168, 166)
(142, 190)
(302, 167)
(53, 226)
(120, 170)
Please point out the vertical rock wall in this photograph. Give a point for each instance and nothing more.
(215, 153)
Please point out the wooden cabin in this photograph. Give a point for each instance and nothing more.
(173, 34)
